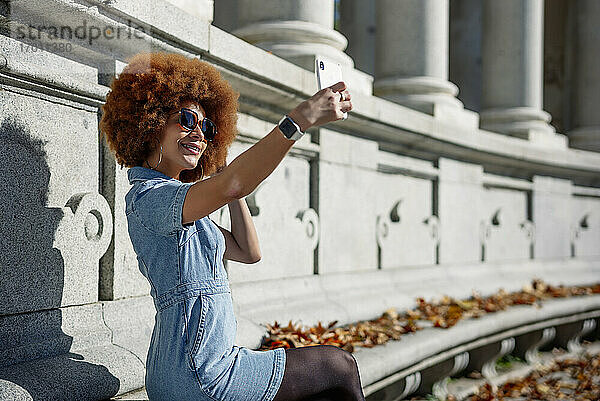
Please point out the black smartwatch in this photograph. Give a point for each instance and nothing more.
(290, 129)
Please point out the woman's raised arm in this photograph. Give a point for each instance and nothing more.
(255, 164)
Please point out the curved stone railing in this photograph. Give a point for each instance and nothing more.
(421, 362)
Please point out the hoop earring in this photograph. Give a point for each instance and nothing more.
(202, 175)
(159, 160)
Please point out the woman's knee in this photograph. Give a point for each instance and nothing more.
(342, 360)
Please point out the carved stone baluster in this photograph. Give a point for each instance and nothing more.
(568, 336)
(593, 335)
(411, 384)
(574, 345)
(383, 224)
(485, 230)
(489, 368)
(440, 388)
(310, 221)
(529, 228)
(483, 359)
(432, 375)
(91, 221)
(433, 222)
(382, 230)
(527, 345)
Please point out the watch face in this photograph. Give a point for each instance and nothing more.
(287, 127)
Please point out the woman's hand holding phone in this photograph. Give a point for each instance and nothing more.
(323, 107)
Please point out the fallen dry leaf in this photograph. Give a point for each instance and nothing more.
(391, 325)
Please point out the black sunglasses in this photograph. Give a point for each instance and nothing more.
(188, 120)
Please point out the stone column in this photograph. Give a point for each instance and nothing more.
(296, 30)
(411, 57)
(464, 68)
(357, 23)
(512, 65)
(585, 117)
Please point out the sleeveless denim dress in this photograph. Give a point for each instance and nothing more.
(192, 355)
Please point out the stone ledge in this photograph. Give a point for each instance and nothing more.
(115, 357)
(94, 373)
(382, 361)
(347, 296)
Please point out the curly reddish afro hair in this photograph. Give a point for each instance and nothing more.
(152, 86)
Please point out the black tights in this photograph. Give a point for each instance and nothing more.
(320, 373)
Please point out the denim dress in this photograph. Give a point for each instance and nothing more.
(192, 355)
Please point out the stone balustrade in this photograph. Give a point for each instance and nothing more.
(400, 200)
(422, 362)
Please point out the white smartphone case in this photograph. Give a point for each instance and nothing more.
(328, 73)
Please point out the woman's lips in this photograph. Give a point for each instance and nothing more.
(191, 149)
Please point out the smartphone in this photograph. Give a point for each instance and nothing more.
(328, 73)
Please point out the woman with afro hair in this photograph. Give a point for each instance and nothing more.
(171, 119)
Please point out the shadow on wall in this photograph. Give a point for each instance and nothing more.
(34, 351)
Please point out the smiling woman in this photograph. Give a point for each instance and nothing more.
(152, 86)
(171, 120)
(184, 135)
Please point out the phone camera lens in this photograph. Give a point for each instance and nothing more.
(321, 65)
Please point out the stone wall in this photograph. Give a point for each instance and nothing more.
(408, 197)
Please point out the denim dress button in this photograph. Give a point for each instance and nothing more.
(192, 353)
